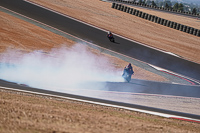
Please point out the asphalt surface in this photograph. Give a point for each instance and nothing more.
(98, 37)
(36, 90)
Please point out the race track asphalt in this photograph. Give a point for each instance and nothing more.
(60, 94)
(98, 37)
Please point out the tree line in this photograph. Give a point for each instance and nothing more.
(166, 4)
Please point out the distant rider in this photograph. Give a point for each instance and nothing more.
(109, 35)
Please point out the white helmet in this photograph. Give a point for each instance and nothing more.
(109, 32)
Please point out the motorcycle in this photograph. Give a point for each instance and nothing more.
(111, 38)
(126, 75)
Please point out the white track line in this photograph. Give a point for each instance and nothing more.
(110, 105)
(164, 70)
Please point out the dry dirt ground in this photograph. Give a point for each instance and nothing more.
(29, 113)
(24, 113)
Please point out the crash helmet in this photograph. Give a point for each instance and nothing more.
(109, 32)
(129, 65)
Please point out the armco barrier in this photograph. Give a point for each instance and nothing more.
(149, 17)
(174, 25)
(131, 11)
(122, 8)
(146, 16)
(134, 11)
(171, 24)
(113, 5)
(116, 6)
(137, 12)
(143, 14)
(184, 28)
(119, 7)
(162, 21)
(165, 22)
(178, 26)
(128, 9)
(198, 33)
(188, 29)
(156, 19)
(125, 8)
(140, 14)
(181, 27)
(195, 32)
(152, 18)
(191, 31)
(168, 23)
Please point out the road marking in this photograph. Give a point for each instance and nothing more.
(192, 81)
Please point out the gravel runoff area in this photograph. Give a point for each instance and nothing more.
(21, 116)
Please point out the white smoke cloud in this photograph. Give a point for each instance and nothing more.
(76, 67)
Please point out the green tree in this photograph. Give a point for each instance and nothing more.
(194, 11)
(166, 5)
(175, 7)
(180, 7)
(140, 1)
(153, 4)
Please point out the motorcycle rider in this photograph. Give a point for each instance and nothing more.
(129, 69)
(109, 35)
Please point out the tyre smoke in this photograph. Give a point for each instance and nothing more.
(76, 67)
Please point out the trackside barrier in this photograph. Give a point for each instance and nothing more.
(171, 24)
(125, 8)
(113, 5)
(161, 21)
(149, 17)
(122, 8)
(181, 27)
(165, 22)
(158, 20)
(188, 29)
(175, 25)
(184, 28)
(128, 9)
(178, 27)
(156, 8)
(195, 32)
(143, 14)
(146, 16)
(119, 7)
(155, 19)
(134, 11)
(191, 30)
(116, 6)
(131, 11)
(140, 14)
(198, 33)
